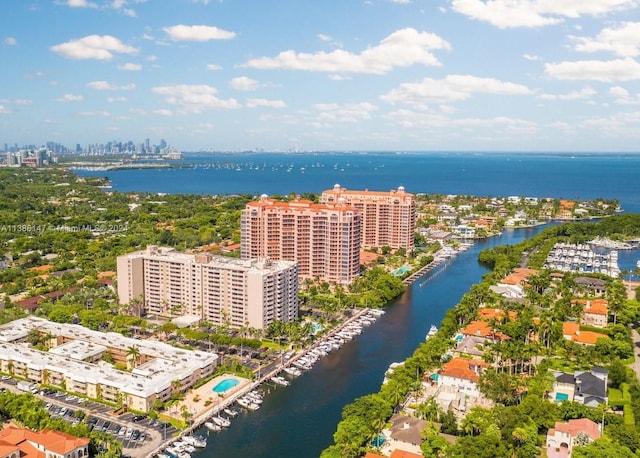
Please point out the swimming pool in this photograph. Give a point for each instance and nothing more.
(225, 385)
(378, 441)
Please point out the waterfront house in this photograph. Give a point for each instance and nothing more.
(563, 437)
(462, 375)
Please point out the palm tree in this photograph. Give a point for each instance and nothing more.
(133, 353)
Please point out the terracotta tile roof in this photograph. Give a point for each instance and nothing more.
(593, 306)
(573, 427)
(482, 329)
(589, 337)
(571, 331)
(373, 455)
(7, 449)
(491, 313)
(397, 453)
(519, 276)
(57, 441)
(54, 441)
(462, 368)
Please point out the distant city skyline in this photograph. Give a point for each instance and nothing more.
(377, 75)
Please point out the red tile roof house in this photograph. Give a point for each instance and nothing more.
(595, 312)
(565, 436)
(23, 443)
(462, 375)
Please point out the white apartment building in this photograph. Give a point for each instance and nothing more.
(224, 291)
(76, 361)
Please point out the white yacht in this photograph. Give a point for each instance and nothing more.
(280, 380)
(212, 426)
(221, 421)
(433, 330)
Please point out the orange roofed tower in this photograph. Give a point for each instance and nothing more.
(324, 239)
(388, 218)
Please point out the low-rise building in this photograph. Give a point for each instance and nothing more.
(595, 312)
(571, 331)
(588, 388)
(77, 362)
(24, 443)
(462, 375)
(563, 437)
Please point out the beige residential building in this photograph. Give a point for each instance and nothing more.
(83, 361)
(324, 240)
(226, 291)
(388, 218)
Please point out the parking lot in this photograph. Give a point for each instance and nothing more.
(138, 433)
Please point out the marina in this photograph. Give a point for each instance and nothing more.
(568, 257)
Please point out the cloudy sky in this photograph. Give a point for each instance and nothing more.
(421, 75)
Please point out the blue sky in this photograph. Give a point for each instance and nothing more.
(422, 75)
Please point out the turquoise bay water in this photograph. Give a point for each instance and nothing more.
(481, 174)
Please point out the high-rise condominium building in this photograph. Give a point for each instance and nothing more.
(323, 239)
(225, 291)
(388, 218)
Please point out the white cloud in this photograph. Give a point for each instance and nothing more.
(120, 5)
(116, 99)
(93, 47)
(163, 112)
(531, 57)
(70, 98)
(582, 94)
(81, 4)
(254, 103)
(595, 70)
(23, 102)
(243, 83)
(453, 88)
(129, 67)
(402, 48)
(324, 37)
(10, 41)
(438, 122)
(401, 2)
(535, 13)
(339, 78)
(623, 41)
(106, 86)
(623, 96)
(5, 110)
(137, 111)
(104, 114)
(214, 67)
(195, 98)
(350, 112)
(197, 33)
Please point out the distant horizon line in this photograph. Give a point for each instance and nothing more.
(397, 152)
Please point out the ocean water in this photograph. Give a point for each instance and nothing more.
(483, 174)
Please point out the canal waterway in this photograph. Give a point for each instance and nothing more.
(298, 421)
